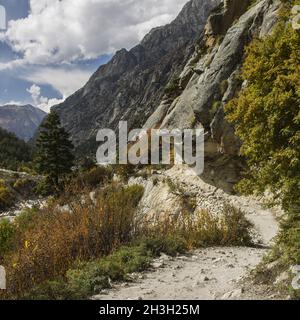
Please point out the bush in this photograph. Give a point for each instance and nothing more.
(89, 278)
(24, 186)
(44, 188)
(203, 228)
(49, 247)
(170, 245)
(6, 197)
(7, 232)
(95, 177)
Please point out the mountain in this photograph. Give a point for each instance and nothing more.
(180, 76)
(23, 121)
(131, 85)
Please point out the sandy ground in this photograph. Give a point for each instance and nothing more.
(206, 274)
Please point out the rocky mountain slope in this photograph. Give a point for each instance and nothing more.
(210, 79)
(131, 85)
(179, 76)
(23, 121)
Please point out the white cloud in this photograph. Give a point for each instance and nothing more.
(13, 102)
(64, 31)
(41, 102)
(65, 80)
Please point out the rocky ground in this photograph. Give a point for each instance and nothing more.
(23, 199)
(207, 274)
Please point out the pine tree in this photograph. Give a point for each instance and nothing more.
(54, 157)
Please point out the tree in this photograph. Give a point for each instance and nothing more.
(14, 152)
(266, 115)
(54, 157)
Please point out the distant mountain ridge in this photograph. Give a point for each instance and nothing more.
(23, 121)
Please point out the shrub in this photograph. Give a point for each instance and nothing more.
(6, 197)
(86, 279)
(203, 228)
(44, 188)
(95, 176)
(48, 249)
(170, 245)
(24, 186)
(47, 243)
(7, 232)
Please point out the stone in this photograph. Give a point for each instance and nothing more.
(233, 294)
(284, 276)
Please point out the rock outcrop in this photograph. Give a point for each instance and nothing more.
(213, 76)
(23, 121)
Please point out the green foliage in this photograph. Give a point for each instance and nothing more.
(266, 115)
(88, 278)
(6, 196)
(170, 245)
(14, 152)
(11, 232)
(24, 186)
(26, 220)
(54, 157)
(173, 88)
(7, 231)
(94, 177)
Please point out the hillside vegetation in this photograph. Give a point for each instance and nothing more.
(266, 115)
(14, 152)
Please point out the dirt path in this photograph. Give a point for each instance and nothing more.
(206, 274)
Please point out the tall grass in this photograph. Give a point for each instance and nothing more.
(203, 228)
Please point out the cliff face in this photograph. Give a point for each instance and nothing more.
(180, 76)
(131, 85)
(213, 75)
(23, 121)
(210, 79)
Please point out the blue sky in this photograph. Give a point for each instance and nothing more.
(52, 47)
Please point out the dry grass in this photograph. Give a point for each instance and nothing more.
(204, 228)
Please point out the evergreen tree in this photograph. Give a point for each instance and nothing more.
(54, 157)
(14, 152)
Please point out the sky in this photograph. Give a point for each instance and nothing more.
(50, 48)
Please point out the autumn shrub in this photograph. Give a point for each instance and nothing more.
(169, 235)
(89, 278)
(57, 239)
(94, 176)
(203, 228)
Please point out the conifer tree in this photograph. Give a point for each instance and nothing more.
(54, 157)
